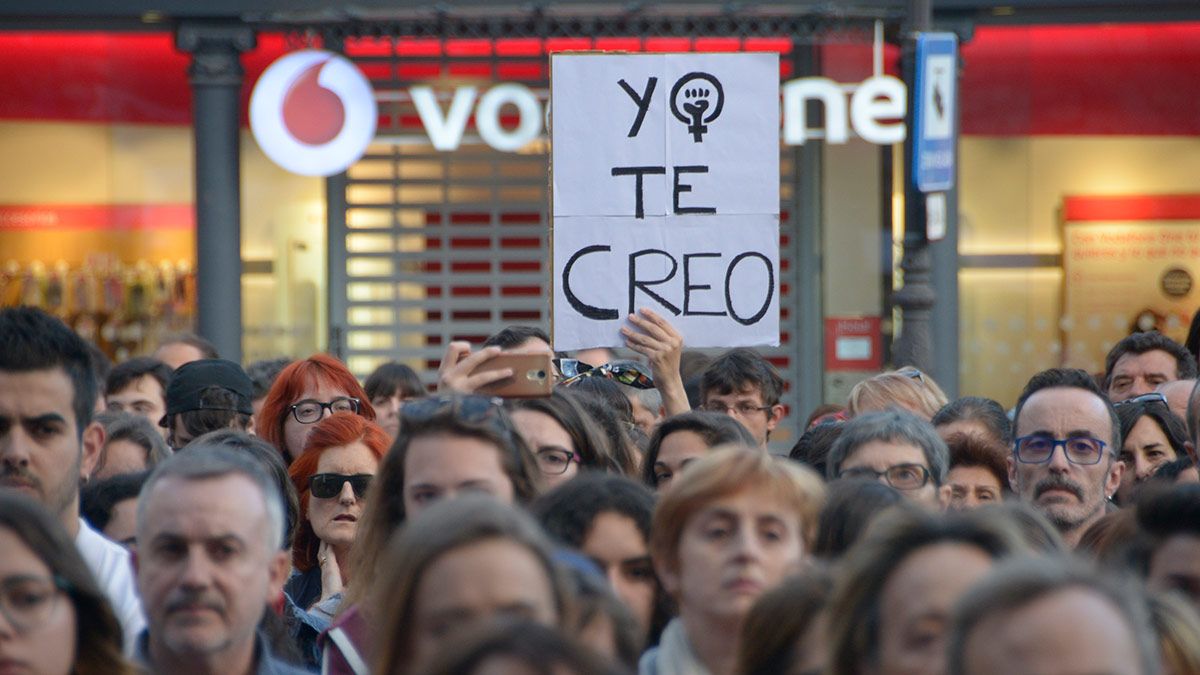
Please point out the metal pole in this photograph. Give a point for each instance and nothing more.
(337, 280)
(216, 78)
(914, 346)
(808, 326)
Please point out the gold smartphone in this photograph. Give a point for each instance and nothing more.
(533, 375)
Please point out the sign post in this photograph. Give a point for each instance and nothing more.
(665, 195)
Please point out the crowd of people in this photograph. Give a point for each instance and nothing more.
(178, 513)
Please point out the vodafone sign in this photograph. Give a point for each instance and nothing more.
(313, 113)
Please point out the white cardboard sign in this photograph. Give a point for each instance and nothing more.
(665, 172)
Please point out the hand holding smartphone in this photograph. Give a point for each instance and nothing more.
(533, 375)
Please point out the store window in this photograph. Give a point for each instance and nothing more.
(1080, 159)
(96, 197)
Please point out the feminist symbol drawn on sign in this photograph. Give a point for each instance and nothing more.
(702, 95)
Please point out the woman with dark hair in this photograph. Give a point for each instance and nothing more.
(305, 393)
(53, 618)
(680, 439)
(852, 505)
(563, 438)
(459, 564)
(331, 477)
(1151, 435)
(607, 518)
(897, 587)
(388, 387)
(519, 646)
(448, 446)
(603, 401)
(785, 631)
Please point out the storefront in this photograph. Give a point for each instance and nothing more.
(442, 232)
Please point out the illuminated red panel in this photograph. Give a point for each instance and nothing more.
(619, 44)
(376, 71)
(521, 266)
(519, 47)
(471, 266)
(418, 47)
(520, 291)
(468, 48)
(520, 242)
(567, 44)
(471, 69)
(717, 44)
(368, 46)
(419, 71)
(521, 71)
(668, 44)
(783, 45)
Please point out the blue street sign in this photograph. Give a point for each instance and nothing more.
(934, 111)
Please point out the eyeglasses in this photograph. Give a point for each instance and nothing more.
(1152, 397)
(625, 373)
(554, 461)
(900, 476)
(28, 601)
(742, 409)
(329, 485)
(912, 373)
(309, 410)
(1039, 449)
(568, 368)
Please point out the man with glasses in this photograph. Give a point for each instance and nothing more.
(207, 395)
(895, 447)
(1064, 459)
(1142, 361)
(742, 384)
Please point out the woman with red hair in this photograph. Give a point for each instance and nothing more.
(331, 477)
(305, 393)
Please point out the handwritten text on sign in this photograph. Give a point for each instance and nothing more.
(666, 195)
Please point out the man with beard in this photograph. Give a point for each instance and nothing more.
(1064, 457)
(209, 561)
(49, 443)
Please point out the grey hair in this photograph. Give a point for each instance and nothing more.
(1016, 583)
(893, 425)
(202, 461)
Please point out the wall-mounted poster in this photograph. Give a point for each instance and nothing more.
(1129, 263)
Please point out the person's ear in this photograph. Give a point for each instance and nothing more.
(92, 450)
(277, 573)
(1113, 480)
(1012, 474)
(668, 577)
(253, 425)
(944, 493)
(1190, 447)
(776, 415)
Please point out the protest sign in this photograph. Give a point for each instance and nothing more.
(665, 184)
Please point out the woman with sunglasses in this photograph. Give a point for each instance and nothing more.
(305, 393)
(331, 476)
(53, 618)
(1153, 436)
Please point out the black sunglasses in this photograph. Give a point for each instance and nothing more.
(485, 411)
(329, 485)
(629, 374)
